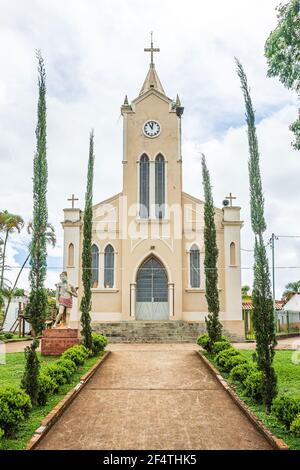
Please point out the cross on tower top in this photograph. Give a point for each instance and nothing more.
(230, 198)
(151, 49)
(73, 199)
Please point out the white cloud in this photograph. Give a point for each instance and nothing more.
(94, 55)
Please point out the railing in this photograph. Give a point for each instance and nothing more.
(286, 323)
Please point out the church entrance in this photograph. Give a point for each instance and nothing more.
(152, 291)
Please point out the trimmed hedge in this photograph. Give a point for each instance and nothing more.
(240, 372)
(77, 354)
(223, 356)
(99, 343)
(253, 385)
(205, 342)
(15, 405)
(286, 409)
(220, 346)
(47, 386)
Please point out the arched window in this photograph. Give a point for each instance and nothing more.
(194, 266)
(144, 187)
(71, 255)
(232, 254)
(95, 266)
(109, 266)
(160, 186)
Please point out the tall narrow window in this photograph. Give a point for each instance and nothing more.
(195, 266)
(232, 254)
(109, 266)
(144, 187)
(95, 266)
(71, 255)
(160, 186)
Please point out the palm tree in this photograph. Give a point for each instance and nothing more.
(51, 240)
(290, 289)
(8, 224)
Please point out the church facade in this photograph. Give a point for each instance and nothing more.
(148, 240)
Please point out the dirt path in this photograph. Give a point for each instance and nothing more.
(153, 397)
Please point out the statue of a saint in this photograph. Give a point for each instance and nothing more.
(64, 299)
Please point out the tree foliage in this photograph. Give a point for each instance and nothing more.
(263, 311)
(31, 373)
(85, 305)
(213, 325)
(282, 50)
(290, 289)
(37, 306)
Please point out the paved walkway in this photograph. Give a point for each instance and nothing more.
(153, 397)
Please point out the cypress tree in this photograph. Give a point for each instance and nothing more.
(263, 310)
(85, 305)
(213, 325)
(37, 306)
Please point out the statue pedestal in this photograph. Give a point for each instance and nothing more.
(55, 341)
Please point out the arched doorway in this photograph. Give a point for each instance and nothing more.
(152, 291)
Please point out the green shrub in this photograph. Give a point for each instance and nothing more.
(8, 335)
(286, 409)
(223, 356)
(77, 354)
(99, 343)
(220, 346)
(240, 372)
(46, 387)
(1, 433)
(295, 426)
(253, 385)
(68, 364)
(205, 342)
(56, 373)
(234, 361)
(15, 405)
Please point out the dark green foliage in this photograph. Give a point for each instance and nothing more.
(253, 386)
(263, 313)
(56, 373)
(223, 356)
(46, 387)
(29, 380)
(220, 346)
(99, 343)
(205, 342)
(8, 335)
(85, 305)
(1, 433)
(240, 372)
(67, 363)
(282, 53)
(36, 309)
(213, 325)
(15, 405)
(295, 426)
(286, 409)
(77, 354)
(234, 361)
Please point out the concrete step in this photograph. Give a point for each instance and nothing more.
(150, 331)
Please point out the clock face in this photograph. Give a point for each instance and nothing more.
(151, 128)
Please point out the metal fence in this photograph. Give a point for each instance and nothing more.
(286, 323)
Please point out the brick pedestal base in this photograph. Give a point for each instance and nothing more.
(55, 341)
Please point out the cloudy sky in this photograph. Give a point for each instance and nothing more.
(93, 51)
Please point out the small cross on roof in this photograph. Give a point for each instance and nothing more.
(151, 49)
(73, 199)
(230, 198)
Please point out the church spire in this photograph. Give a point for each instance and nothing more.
(152, 81)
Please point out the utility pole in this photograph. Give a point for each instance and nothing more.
(272, 243)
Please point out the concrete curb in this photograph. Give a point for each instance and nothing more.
(59, 409)
(276, 443)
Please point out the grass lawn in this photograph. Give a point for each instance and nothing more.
(11, 374)
(288, 383)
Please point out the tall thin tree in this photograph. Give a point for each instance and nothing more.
(85, 305)
(213, 325)
(263, 311)
(37, 306)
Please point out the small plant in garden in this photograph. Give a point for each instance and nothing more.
(253, 386)
(57, 373)
(220, 346)
(46, 387)
(15, 405)
(223, 356)
(77, 354)
(31, 373)
(99, 343)
(295, 426)
(286, 409)
(240, 372)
